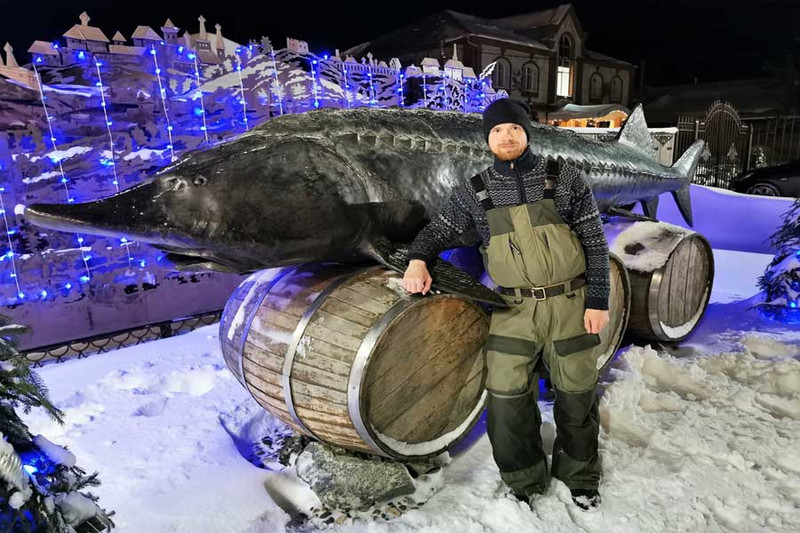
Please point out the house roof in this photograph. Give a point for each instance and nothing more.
(43, 48)
(429, 32)
(118, 37)
(86, 33)
(546, 17)
(751, 98)
(602, 57)
(145, 32)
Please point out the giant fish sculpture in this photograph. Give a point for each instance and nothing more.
(347, 185)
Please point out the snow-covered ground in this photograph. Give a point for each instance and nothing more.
(699, 437)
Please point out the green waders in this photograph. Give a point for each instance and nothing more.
(532, 247)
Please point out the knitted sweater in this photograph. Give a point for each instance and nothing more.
(573, 200)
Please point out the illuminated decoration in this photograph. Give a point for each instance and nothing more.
(10, 253)
(63, 178)
(113, 162)
(163, 94)
(372, 100)
(199, 96)
(781, 280)
(314, 82)
(424, 91)
(241, 89)
(277, 89)
(401, 96)
(346, 85)
(44, 265)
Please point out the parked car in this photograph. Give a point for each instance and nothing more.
(781, 180)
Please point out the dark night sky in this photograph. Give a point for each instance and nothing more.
(679, 39)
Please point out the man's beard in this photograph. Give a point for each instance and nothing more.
(510, 155)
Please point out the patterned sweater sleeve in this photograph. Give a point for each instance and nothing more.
(586, 223)
(453, 219)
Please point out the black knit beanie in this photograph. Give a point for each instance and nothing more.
(507, 110)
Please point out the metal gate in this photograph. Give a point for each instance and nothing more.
(728, 142)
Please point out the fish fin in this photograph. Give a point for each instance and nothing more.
(635, 133)
(684, 201)
(650, 207)
(687, 163)
(446, 276)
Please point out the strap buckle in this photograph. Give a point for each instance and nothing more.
(533, 293)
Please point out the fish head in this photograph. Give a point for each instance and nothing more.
(242, 205)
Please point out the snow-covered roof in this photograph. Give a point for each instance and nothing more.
(469, 73)
(603, 57)
(571, 111)
(118, 37)
(127, 50)
(145, 32)
(43, 48)
(169, 24)
(537, 18)
(86, 33)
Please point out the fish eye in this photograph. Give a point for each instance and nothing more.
(200, 181)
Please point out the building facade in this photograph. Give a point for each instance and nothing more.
(539, 57)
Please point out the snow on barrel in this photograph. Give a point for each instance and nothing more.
(346, 355)
(671, 271)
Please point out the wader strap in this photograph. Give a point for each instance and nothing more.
(553, 170)
(480, 191)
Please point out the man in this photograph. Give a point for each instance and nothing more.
(544, 246)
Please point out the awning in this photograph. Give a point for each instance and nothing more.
(575, 111)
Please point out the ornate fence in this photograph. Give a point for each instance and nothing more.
(728, 144)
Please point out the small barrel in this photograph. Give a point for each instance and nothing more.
(346, 355)
(671, 272)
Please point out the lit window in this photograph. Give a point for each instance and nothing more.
(564, 79)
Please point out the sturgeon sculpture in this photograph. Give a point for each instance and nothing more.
(348, 185)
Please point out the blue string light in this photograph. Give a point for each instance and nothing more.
(64, 180)
(314, 83)
(241, 89)
(199, 95)
(10, 254)
(346, 85)
(163, 93)
(424, 90)
(278, 89)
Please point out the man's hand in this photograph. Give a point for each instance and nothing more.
(594, 320)
(417, 278)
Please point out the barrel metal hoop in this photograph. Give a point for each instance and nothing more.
(358, 371)
(252, 316)
(652, 302)
(299, 331)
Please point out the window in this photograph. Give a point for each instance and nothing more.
(501, 75)
(530, 78)
(564, 72)
(596, 88)
(616, 90)
(565, 47)
(564, 78)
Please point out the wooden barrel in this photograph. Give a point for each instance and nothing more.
(671, 272)
(346, 355)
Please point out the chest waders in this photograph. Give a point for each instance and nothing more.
(539, 266)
